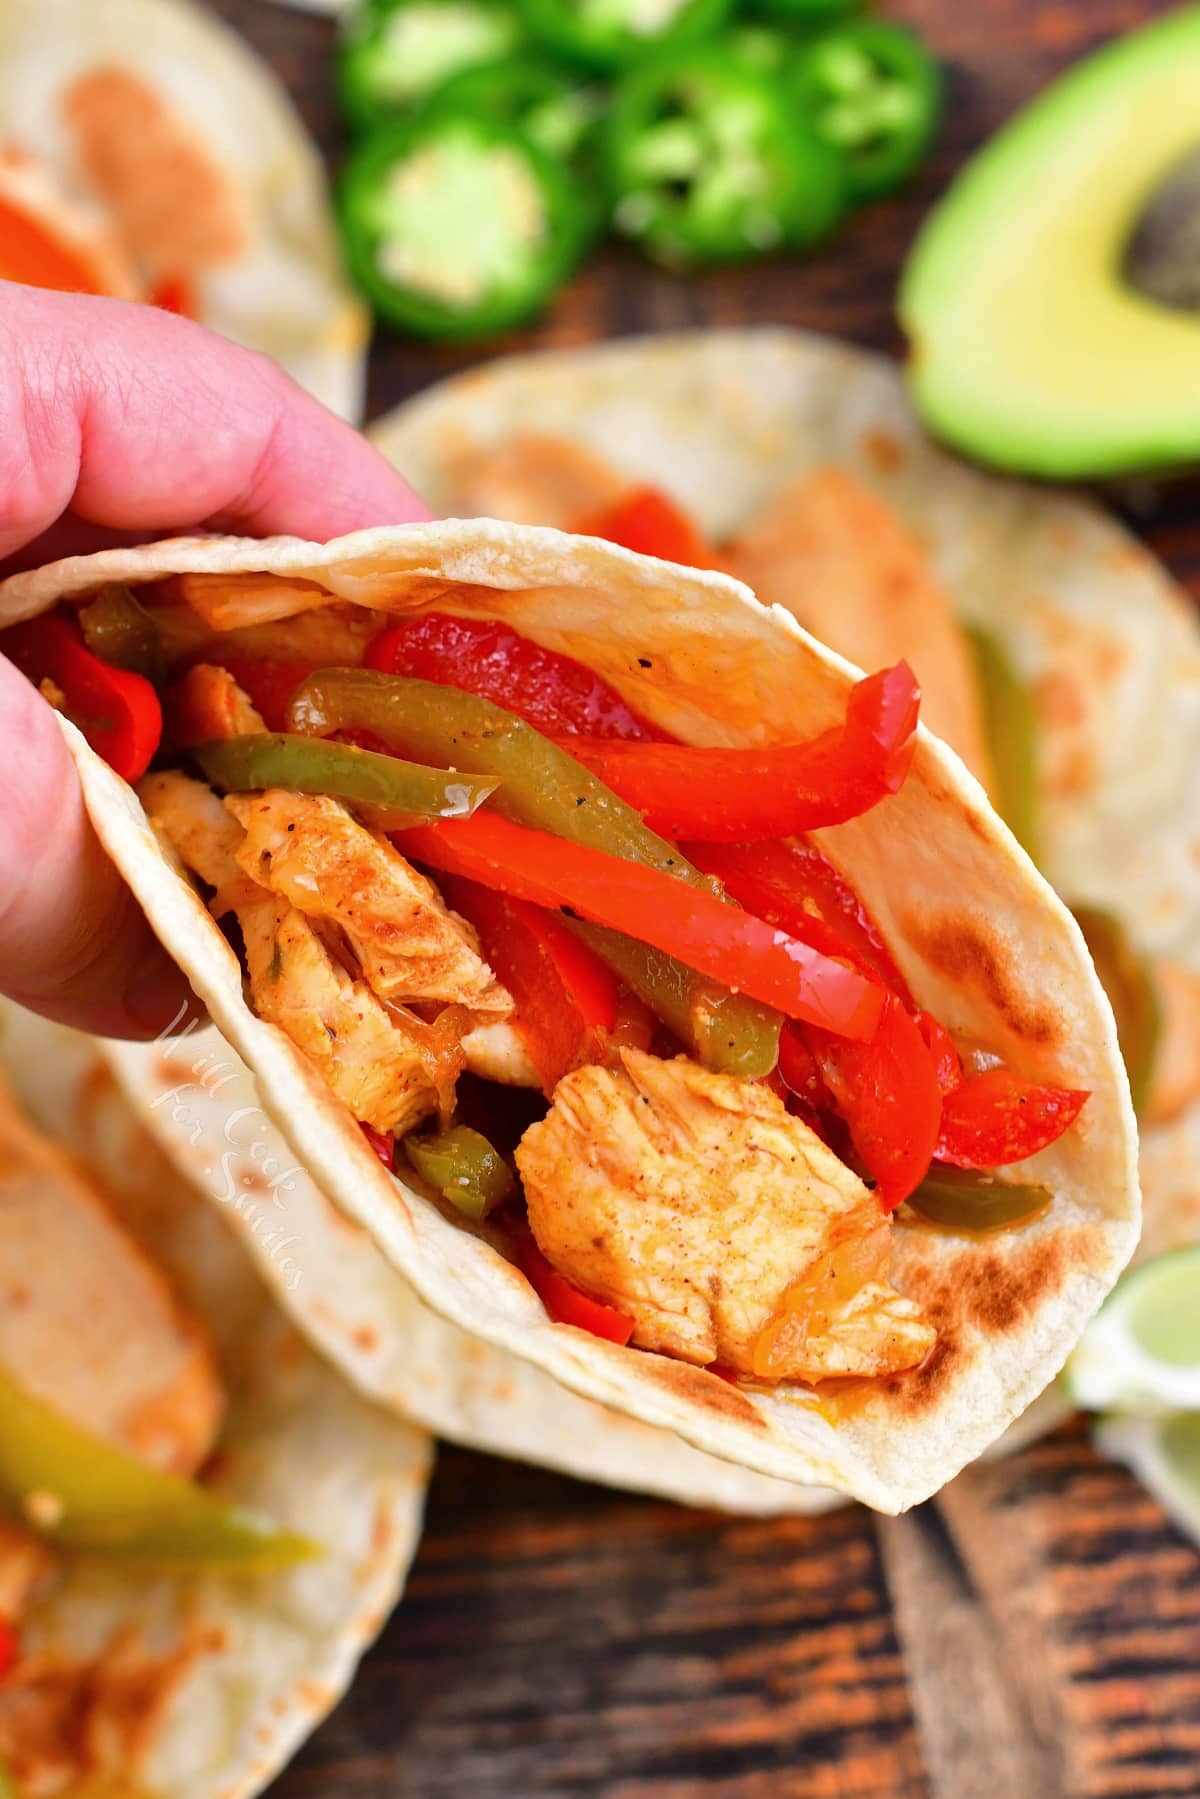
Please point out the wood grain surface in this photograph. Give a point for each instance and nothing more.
(1035, 1632)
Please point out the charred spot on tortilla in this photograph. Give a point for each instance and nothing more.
(996, 1294)
(708, 1391)
(961, 946)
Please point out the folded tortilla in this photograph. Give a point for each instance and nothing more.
(184, 1685)
(223, 185)
(979, 935)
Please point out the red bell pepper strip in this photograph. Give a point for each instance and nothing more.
(780, 790)
(887, 1092)
(549, 691)
(997, 1118)
(383, 1145)
(715, 939)
(794, 886)
(798, 1070)
(797, 1080)
(564, 1302)
(117, 711)
(647, 520)
(268, 685)
(941, 1047)
(10, 1647)
(566, 997)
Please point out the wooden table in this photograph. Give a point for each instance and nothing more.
(1035, 1632)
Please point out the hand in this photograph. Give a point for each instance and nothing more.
(118, 424)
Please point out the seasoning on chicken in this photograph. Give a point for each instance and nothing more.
(840, 561)
(209, 705)
(407, 942)
(371, 1062)
(193, 820)
(87, 1323)
(697, 1204)
(390, 1068)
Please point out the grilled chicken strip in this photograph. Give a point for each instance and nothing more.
(87, 1322)
(407, 942)
(842, 563)
(209, 705)
(697, 1204)
(389, 1068)
(368, 1058)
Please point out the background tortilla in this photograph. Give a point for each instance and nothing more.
(287, 294)
(1006, 968)
(297, 1444)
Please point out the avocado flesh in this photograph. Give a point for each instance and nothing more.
(1029, 348)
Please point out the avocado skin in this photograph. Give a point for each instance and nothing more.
(1028, 350)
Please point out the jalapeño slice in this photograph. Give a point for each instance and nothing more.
(395, 53)
(458, 225)
(619, 34)
(709, 162)
(873, 93)
(555, 108)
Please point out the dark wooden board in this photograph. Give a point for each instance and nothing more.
(1033, 1633)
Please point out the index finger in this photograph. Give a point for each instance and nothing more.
(136, 420)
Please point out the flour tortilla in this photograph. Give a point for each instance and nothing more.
(367, 1320)
(980, 936)
(286, 294)
(297, 1445)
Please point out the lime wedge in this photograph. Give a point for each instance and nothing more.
(1164, 1453)
(1141, 1352)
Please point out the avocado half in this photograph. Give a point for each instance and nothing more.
(1031, 345)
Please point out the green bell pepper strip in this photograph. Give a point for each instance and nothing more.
(122, 633)
(539, 784)
(1132, 994)
(963, 1200)
(543, 787)
(8, 1786)
(464, 1168)
(872, 92)
(458, 226)
(1010, 731)
(610, 35)
(81, 1493)
(730, 1033)
(708, 162)
(395, 53)
(401, 790)
(556, 110)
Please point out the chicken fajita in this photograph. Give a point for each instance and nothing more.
(197, 1521)
(664, 998)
